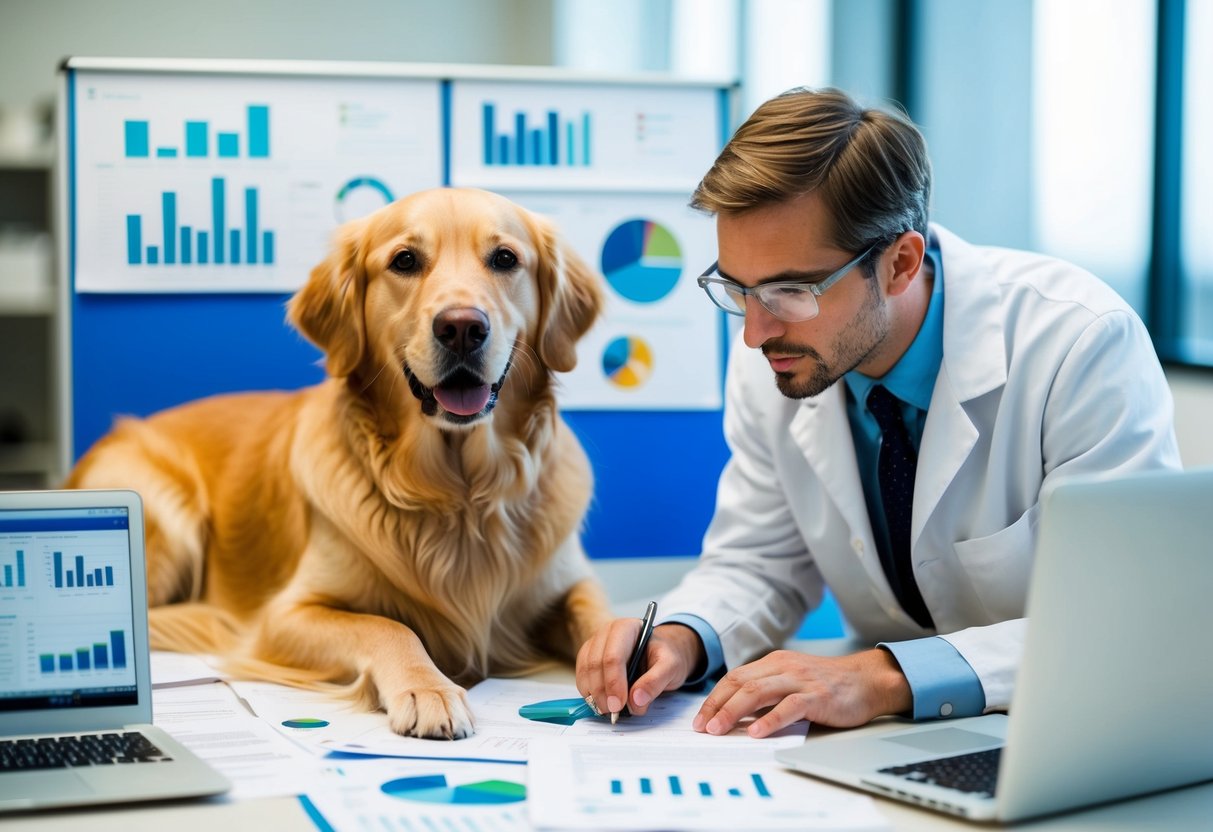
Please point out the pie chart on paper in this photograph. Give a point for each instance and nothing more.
(627, 362)
(641, 260)
(433, 788)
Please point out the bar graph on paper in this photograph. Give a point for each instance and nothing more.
(603, 782)
(634, 787)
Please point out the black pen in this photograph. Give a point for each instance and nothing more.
(637, 659)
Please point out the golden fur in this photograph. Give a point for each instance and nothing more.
(358, 531)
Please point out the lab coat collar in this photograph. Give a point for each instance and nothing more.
(974, 347)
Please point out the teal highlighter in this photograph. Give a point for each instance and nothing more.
(557, 711)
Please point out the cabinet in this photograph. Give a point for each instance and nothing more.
(29, 421)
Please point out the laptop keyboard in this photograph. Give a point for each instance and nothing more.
(84, 750)
(976, 773)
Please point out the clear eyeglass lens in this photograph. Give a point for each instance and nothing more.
(791, 303)
(727, 298)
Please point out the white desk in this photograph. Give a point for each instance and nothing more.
(1182, 810)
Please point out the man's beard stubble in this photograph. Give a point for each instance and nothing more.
(853, 346)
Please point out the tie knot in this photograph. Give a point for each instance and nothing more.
(885, 407)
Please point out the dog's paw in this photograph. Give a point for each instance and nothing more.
(438, 712)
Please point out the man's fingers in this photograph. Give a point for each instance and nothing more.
(725, 689)
(748, 698)
(602, 665)
(789, 710)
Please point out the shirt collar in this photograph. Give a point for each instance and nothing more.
(912, 378)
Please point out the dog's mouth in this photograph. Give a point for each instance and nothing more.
(462, 394)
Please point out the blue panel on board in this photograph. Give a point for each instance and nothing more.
(655, 472)
(136, 354)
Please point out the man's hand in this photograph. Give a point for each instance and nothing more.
(674, 651)
(841, 692)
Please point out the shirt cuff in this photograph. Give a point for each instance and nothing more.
(711, 645)
(942, 683)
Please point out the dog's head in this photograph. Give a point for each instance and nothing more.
(455, 290)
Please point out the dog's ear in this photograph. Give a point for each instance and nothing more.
(570, 297)
(328, 310)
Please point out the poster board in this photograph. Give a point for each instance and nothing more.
(197, 195)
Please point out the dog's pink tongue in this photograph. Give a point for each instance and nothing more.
(463, 401)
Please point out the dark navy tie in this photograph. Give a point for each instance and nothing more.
(898, 460)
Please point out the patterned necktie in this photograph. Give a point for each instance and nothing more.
(898, 460)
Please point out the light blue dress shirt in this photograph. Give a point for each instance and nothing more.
(943, 684)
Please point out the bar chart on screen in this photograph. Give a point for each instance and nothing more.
(97, 648)
(99, 655)
(70, 572)
(14, 569)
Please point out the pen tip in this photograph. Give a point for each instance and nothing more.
(614, 717)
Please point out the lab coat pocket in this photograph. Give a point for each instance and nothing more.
(999, 566)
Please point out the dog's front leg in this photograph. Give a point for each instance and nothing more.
(420, 701)
(586, 610)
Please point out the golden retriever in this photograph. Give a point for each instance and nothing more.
(410, 522)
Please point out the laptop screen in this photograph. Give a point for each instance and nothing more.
(66, 609)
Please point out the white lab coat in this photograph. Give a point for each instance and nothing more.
(1046, 373)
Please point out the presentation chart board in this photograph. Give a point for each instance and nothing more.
(199, 194)
(581, 136)
(235, 184)
(658, 345)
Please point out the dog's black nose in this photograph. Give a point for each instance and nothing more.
(462, 331)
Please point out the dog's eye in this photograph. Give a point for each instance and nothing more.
(404, 263)
(503, 260)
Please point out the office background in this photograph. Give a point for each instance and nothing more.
(1068, 126)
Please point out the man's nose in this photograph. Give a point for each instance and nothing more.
(760, 325)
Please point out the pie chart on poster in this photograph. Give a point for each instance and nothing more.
(433, 788)
(627, 362)
(641, 260)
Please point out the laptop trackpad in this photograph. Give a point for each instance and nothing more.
(946, 740)
(36, 786)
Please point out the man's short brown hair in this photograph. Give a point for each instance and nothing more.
(869, 166)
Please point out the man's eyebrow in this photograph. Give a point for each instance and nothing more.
(786, 276)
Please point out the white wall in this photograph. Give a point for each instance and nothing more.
(1193, 391)
(35, 35)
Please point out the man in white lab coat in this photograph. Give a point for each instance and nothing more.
(897, 402)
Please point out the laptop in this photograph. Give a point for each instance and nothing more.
(1114, 694)
(75, 683)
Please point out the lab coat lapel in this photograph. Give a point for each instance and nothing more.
(974, 363)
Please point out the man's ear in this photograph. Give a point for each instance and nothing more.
(328, 310)
(570, 297)
(905, 256)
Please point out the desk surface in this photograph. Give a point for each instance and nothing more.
(1181, 810)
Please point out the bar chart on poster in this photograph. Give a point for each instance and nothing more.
(236, 184)
(581, 136)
